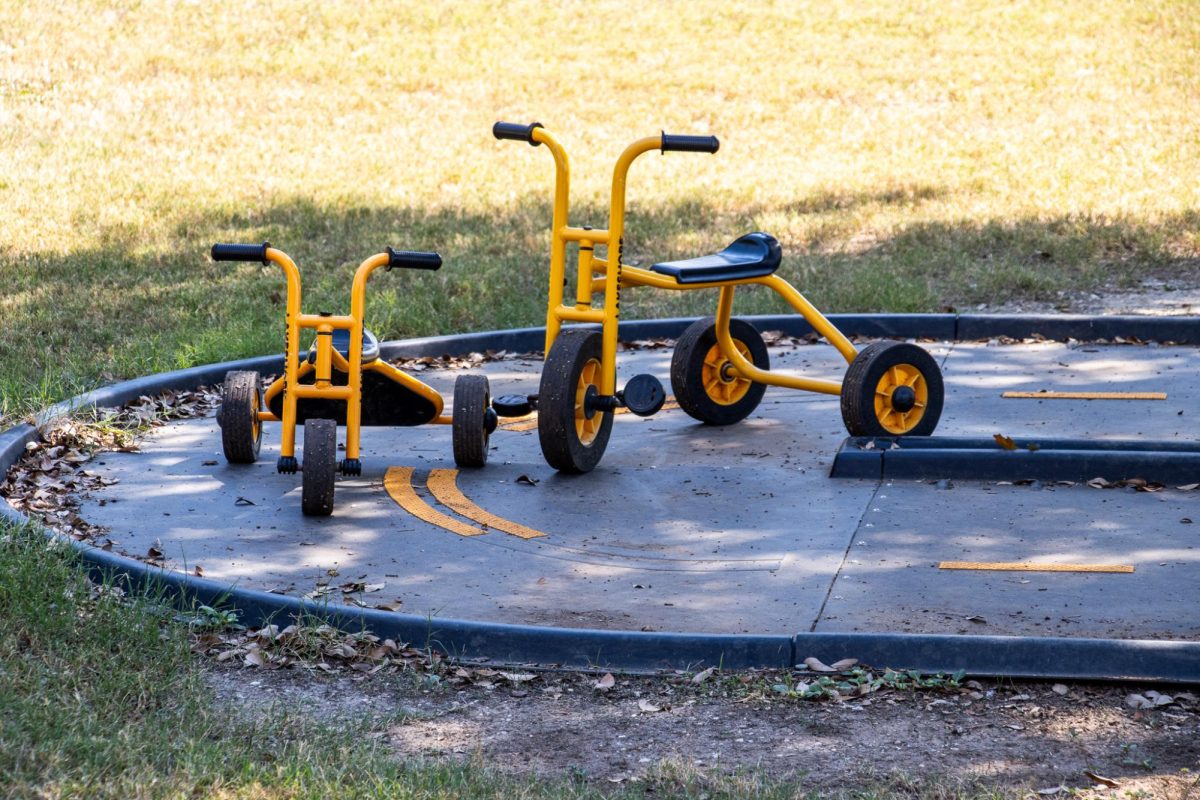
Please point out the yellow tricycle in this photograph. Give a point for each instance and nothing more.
(341, 380)
(720, 366)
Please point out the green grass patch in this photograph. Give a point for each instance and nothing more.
(910, 157)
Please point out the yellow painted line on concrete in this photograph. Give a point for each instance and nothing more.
(1025, 566)
(525, 423)
(398, 482)
(443, 485)
(1085, 395)
(529, 421)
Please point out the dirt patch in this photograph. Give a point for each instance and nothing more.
(1152, 298)
(1025, 737)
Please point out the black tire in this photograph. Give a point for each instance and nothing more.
(701, 379)
(319, 467)
(572, 441)
(870, 406)
(469, 426)
(241, 429)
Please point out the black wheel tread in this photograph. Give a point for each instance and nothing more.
(319, 469)
(560, 442)
(469, 430)
(241, 435)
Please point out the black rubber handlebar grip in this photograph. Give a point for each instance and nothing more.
(241, 252)
(412, 259)
(516, 131)
(690, 144)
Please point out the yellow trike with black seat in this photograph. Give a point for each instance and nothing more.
(341, 380)
(720, 366)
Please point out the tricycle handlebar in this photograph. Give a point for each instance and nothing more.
(412, 259)
(516, 131)
(241, 252)
(689, 144)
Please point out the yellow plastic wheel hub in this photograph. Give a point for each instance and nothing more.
(585, 428)
(901, 417)
(722, 382)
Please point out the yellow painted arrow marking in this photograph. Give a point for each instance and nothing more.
(529, 421)
(398, 482)
(443, 485)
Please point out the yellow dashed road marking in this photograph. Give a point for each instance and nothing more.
(1025, 566)
(443, 486)
(398, 482)
(1085, 395)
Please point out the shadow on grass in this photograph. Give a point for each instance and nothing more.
(140, 302)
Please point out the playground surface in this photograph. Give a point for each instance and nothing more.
(705, 530)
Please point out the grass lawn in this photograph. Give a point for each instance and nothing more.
(910, 156)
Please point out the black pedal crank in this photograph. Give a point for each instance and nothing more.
(287, 465)
(644, 395)
(350, 466)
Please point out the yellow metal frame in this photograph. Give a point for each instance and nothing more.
(613, 276)
(328, 359)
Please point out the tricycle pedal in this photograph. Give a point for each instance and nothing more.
(350, 466)
(644, 395)
(287, 465)
(514, 405)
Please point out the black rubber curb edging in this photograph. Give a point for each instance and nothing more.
(637, 651)
(1080, 460)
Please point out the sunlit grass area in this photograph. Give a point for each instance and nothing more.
(910, 156)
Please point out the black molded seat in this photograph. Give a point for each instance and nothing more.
(341, 343)
(755, 255)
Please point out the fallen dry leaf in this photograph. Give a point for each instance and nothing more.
(647, 707)
(1004, 441)
(1109, 782)
(845, 663)
(606, 682)
(1138, 701)
(701, 677)
(816, 665)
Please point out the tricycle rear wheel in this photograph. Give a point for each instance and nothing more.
(705, 383)
(319, 467)
(572, 435)
(241, 429)
(892, 389)
(473, 420)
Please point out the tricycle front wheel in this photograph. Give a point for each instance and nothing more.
(892, 389)
(573, 434)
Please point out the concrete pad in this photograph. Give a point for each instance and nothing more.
(891, 582)
(977, 375)
(689, 528)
